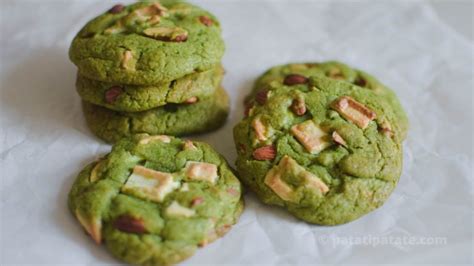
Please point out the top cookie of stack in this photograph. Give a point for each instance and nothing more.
(144, 66)
(148, 43)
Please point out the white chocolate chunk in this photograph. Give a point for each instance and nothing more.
(95, 171)
(289, 168)
(176, 210)
(312, 137)
(201, 171)
(282, 189)
(92, 226)
(313, 182)
(149, 184)
(354, 111)
(260, 129)
(127, 61)
(162, 138)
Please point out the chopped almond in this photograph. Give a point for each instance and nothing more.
(310, 136)
(95, 171)
(127, 61)
(354, 111)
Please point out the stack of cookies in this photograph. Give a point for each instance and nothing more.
(151, 67)
(322, 140)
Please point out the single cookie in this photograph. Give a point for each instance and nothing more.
(294, 73)
(153, 200)
(135, 98)
(172, 119)
(148, 43)
(323, 149)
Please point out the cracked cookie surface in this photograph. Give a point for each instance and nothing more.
(148, 43)
(321, 148)
(135, 98)
(153, 200)
(172, 119)
(334, 70)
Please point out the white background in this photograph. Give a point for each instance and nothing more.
(45, 142)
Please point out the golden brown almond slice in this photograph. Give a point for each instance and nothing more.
(201, 171)
(162, 138)
(93, 226)
(354, 111)
(386, 129)
(338, 139)
(155, 9)
(149, 184)
(311, 136)
(176, 210)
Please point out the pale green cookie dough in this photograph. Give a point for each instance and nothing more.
(135, 98)
(153, 200)
(148, 43)
(324, 149)
(339, 71)
(205, 115)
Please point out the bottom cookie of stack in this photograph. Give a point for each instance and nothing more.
(172, 119)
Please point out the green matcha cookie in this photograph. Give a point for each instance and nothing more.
(133, 98)
(172, 119)
(323, 149)
(333, 70)
(148, 43)
(153, 200)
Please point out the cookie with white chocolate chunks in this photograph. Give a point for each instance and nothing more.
(298, 73)
(153, 200)
(148, 43)
(330, 160)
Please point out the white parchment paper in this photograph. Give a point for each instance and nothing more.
(428, 219)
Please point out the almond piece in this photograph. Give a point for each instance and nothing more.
(353, 111)
(149, 184)
(265, 153)
(338, 139)
(130, 224)
(205, 20)
(201, 171)
(295, 79)
(261, 96)
(298, 107)
(311, 136)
